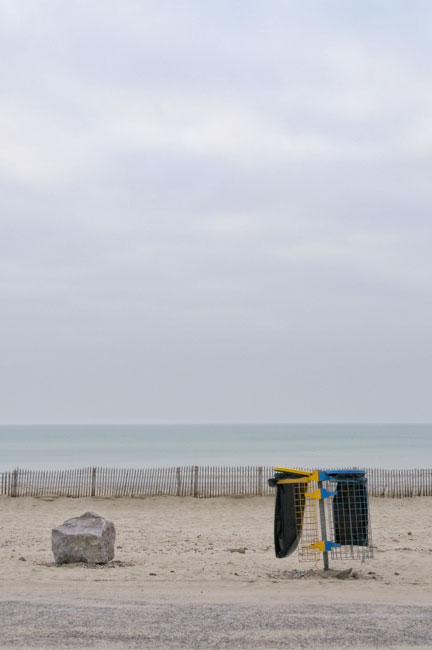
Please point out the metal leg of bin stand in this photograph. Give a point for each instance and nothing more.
(323, 528)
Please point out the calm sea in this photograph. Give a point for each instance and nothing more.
(308, 445)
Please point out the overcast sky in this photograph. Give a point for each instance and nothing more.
(215, 211)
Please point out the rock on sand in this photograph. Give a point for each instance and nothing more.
(89, 538)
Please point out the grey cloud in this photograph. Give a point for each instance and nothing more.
(215, 214)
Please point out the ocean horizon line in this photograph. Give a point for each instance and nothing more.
(221, 423)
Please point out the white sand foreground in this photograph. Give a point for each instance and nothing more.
(183, 554)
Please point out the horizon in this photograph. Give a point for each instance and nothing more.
(221, 423)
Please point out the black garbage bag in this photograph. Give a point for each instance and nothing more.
(350, 510)
(289, 510)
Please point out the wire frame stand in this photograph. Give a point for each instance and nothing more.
(331, 514)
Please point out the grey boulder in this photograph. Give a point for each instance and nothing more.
(89, 538)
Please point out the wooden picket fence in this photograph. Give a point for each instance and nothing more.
(191, 481)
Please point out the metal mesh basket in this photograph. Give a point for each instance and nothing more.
(348, 519)
(331, 513)
(310, 529)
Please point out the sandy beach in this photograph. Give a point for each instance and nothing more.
(201, 573)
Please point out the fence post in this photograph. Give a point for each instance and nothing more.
(14, 492)
(196, 493)
(259, 482)
(178, 481)
(93, 485)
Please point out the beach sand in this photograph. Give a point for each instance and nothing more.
(180, 578)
